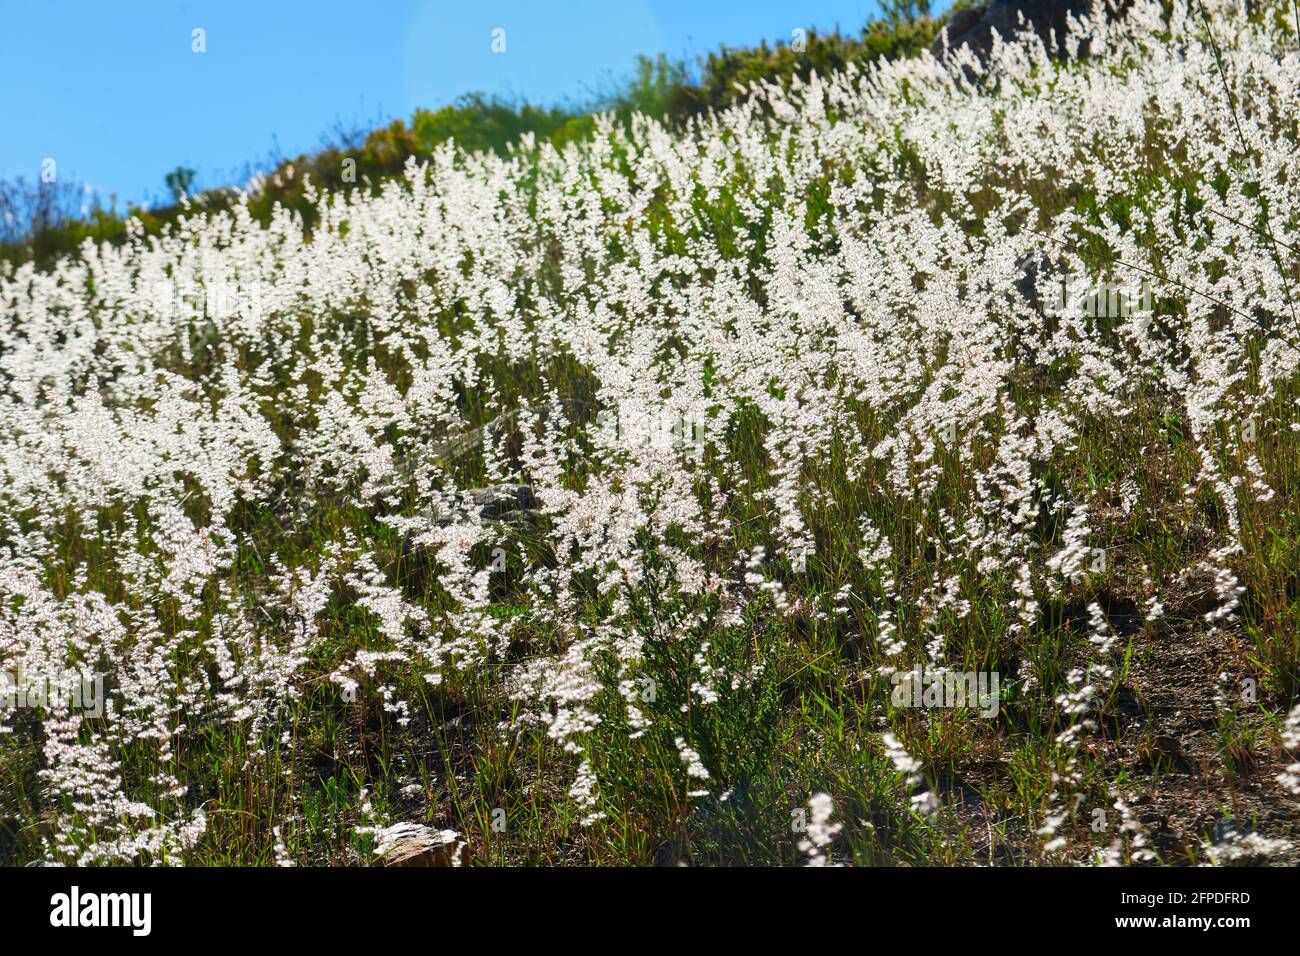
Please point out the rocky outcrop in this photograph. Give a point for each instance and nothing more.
(975, 27)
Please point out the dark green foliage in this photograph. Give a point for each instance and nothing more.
(180, 182)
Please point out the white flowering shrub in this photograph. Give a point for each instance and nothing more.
(606, 486)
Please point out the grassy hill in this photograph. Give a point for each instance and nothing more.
(897, 464)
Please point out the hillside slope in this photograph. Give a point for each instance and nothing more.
(597, 502)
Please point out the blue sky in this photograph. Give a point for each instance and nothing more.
(113, 92)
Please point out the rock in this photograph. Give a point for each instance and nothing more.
(1038, 284)
(958, 28)
(411, 844)
(1040, 281)
(1168, 746)
(496, 501)
(510, 504)
(975, 27)
(513, 506)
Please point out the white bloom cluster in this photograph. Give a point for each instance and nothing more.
(820, 831)
(1290, 777)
